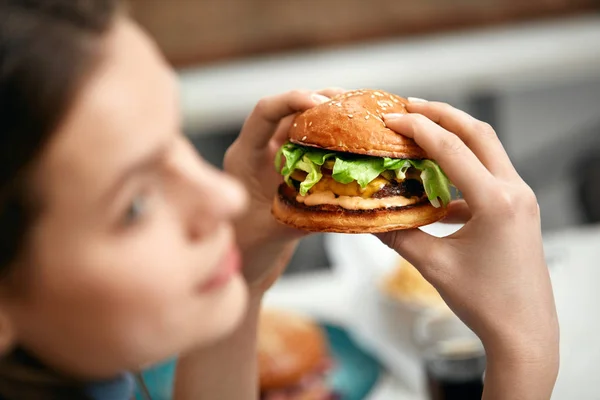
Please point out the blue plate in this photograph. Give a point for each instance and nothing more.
(354, 375)
(356, 372)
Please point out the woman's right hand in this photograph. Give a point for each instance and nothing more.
(492, 272)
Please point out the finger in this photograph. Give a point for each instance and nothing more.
(284, 126)
(264, 119)
(332, 91)
(417, 247)
(479, 136)
(458, 162)
(281, 133)
(458, 212)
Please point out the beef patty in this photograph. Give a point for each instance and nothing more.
(408, 188)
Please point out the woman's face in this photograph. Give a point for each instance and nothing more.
(132, 259)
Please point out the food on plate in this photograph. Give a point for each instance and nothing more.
(293, 358)
(345, 171)
(406, 284)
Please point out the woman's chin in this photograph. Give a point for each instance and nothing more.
(216, 319)
(231, 305)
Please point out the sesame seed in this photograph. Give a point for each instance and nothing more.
(372, 96)
(384, 104)
(303, 138)
(395, 100)
(295, 124)
(366, 117)
(310, 123)
(350, 116)
(379, 94)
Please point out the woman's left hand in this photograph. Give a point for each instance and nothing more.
(266, 244)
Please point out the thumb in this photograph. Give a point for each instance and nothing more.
(415, 246)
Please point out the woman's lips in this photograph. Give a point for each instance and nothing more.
(229, 266)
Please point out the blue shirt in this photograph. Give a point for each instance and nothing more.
(119, 388)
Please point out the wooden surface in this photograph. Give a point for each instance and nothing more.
(201, 31)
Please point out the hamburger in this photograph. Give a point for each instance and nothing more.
(345, 171)
(293, 358)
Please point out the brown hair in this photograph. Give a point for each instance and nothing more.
(47, 47)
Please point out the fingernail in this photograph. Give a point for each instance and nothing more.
(416, 100)
(391, 117)
(319, 98)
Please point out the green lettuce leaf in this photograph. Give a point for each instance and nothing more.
(314, 174)
(398, 166)
(291, 155)
(436, 183)
(318, 156)
(362, 170)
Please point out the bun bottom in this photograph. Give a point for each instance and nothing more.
(339, 220)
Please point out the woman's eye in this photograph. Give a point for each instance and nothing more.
(136, 209)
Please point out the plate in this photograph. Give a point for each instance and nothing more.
(356, 372)
(354, 376)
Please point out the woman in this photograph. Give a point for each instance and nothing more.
(120, 248)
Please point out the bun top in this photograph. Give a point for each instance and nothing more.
(352, 122)
(289, 347)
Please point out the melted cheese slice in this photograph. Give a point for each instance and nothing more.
(354, 202)
(328, 184)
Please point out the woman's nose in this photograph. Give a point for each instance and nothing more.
(219, 200)
(222, 195)
(212, 197)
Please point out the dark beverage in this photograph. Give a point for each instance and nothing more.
(453, 357)
(455, 376)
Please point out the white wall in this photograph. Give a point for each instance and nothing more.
(552, 123)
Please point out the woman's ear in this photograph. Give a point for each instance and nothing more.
(7, 331)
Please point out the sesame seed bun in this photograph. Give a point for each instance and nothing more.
(352, 122)
(289, 348)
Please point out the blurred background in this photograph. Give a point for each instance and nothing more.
(530, 68)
